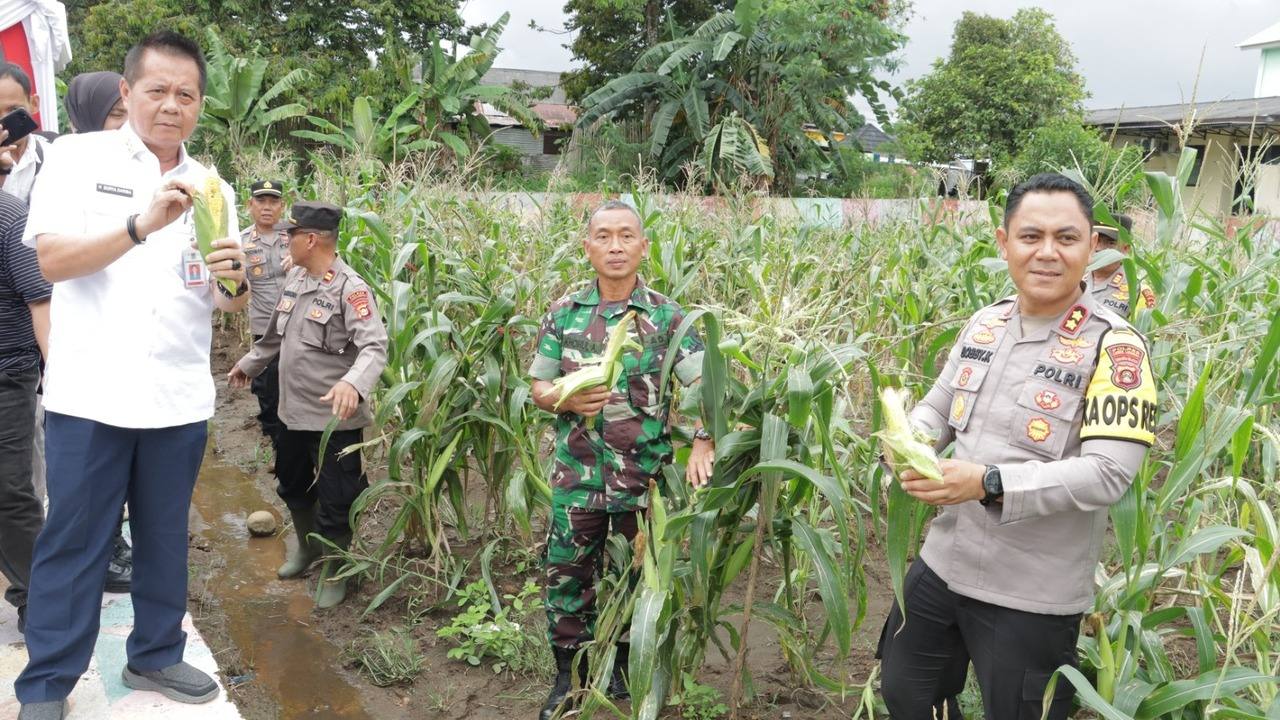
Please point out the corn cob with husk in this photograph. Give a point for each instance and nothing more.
(210, 211)
(603, 370)
(903, 444)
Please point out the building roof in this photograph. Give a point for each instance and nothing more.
(870, 137)
(506, 77)
(1226, 114)
(1267, 38)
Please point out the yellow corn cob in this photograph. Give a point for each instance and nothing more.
(900, 441)
(210, 214)
(603, 370)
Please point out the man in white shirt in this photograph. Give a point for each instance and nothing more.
(20, 161)
(128, 391)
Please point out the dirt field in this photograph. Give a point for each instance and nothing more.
(282, 659)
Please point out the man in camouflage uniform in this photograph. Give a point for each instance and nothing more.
(1050, 401)
(610, 442)
(1110, 285)
(266, 252)
(332, 346)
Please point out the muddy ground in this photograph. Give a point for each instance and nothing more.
(281, 659)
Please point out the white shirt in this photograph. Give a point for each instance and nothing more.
(129, 344)
(23, 174)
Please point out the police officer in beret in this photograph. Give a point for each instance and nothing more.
(332, 347)
(266, 250)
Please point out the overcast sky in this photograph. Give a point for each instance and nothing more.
(1131, 52)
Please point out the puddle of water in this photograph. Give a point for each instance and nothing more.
(269, 620)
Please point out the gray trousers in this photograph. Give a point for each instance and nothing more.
(21, 514)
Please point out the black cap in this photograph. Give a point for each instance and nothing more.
(267, 187)
(313, 216)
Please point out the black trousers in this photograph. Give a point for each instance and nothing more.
(335, 487)
(923, 667)
(266, 387)
(21, 514)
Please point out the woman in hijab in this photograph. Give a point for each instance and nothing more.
(93, 102)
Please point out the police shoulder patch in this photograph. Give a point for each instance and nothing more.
(1120, 401)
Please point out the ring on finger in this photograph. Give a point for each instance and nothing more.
(235, 264)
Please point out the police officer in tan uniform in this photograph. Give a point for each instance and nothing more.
(1051, 404)
(332, 347)
(266, 251)
(1110, 285)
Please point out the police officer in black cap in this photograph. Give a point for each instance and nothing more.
(332, 346)
(266, 251)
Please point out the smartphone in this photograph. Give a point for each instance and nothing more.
(19, 123)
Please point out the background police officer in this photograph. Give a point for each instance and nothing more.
(1051, 403)
(1110, 284)
(332, 347)
(610, 441)
(266, 251)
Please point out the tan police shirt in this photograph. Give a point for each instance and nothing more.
(325, 329)
(1067, 412)
(263, 255)
(1114, 294)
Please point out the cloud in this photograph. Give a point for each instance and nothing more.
(522, 46)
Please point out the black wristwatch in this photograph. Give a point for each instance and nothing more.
(701, 434)
(992, 486)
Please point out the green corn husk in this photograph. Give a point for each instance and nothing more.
(901, 443)
(603, 370)
(210, 214)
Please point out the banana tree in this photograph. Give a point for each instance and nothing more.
(451, 91)
(368, 137)
(236, 106)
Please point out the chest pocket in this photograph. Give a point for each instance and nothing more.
(644, 375)
(965, 386)
(1043, 417)
(256, 260)
(324, 329)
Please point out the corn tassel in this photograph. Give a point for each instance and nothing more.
(603, 370)
(210, 213)
(901, 443)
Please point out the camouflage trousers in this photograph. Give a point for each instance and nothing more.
(575, 560)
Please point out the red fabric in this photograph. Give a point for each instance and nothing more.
(18, 52)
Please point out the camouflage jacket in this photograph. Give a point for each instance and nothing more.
(605, 463)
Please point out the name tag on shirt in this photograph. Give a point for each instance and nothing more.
(115, 190)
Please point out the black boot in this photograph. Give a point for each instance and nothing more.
(618, 682)
(564, 680)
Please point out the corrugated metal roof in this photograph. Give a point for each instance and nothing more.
(1267, 38)
(1254, 111)
(533, 78)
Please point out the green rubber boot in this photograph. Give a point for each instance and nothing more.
(308, 550)
(331, 592)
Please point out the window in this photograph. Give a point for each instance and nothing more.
(1195, 169)
(553, 142)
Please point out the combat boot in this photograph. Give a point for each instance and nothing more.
(618, 682)
(564, 681)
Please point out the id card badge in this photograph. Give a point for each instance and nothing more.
(194, 271)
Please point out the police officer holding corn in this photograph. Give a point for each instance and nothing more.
(332, 346)
(266, 250)
(1050, 401)
(610, 441)
(1110, 284)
